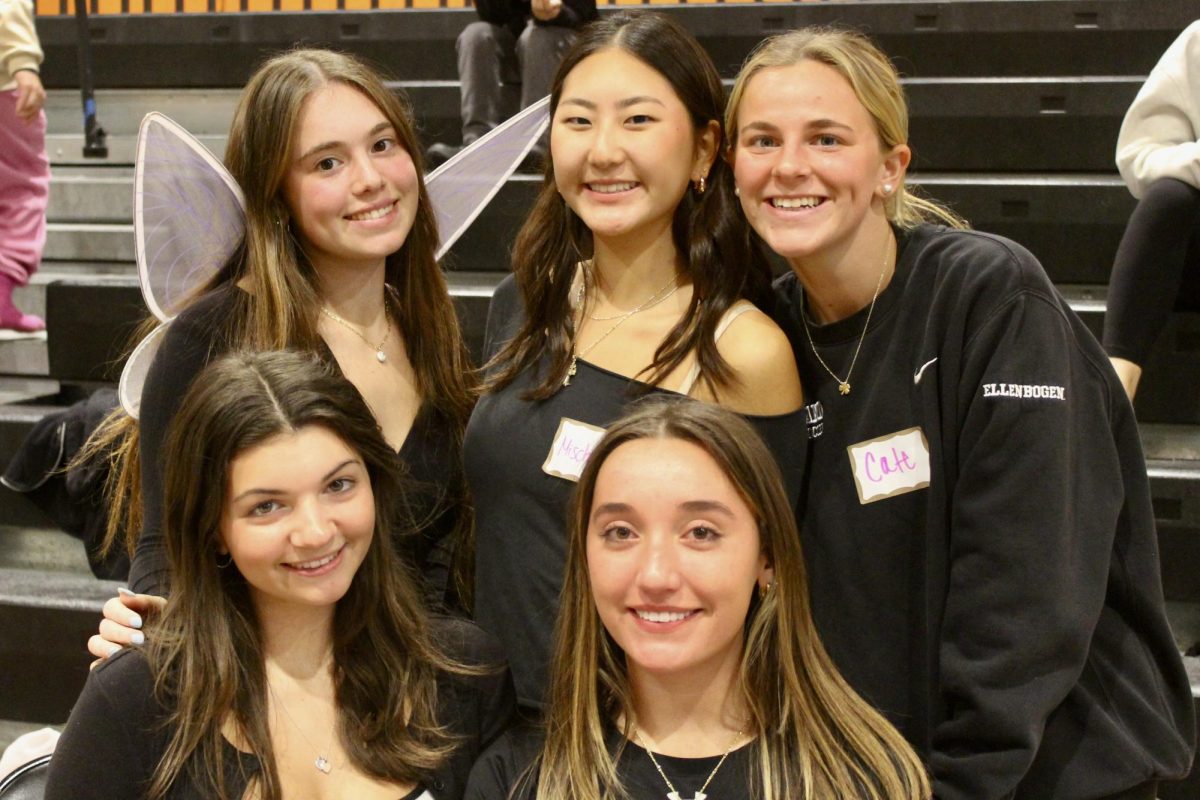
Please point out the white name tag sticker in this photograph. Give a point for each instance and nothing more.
(571, 448)
(890, 465)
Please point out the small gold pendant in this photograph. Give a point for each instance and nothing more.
(844, 387)
(570, 372)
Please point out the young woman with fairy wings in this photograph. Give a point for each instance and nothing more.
(294, 657)
(977, 520)
(632, 274)
(337, 259)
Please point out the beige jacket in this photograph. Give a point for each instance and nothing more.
(1159, 137)
(19, 47)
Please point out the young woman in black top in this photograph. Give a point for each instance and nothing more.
(686, 662)
(978, 522)
(632, 274)
(337, 259)
(294, 657)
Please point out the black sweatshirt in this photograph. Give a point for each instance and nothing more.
(1007, 616)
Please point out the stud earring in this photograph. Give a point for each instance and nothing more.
(764, 589)
(737, 192)
(887, 189)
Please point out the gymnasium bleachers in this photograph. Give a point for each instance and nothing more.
(1015, 105)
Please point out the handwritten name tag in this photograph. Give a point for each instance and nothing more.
(890, 465)
(572, 446)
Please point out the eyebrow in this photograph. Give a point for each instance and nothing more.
(691, 506)
(382, 126)
(821, 124)
(626, 103)
(270, 492)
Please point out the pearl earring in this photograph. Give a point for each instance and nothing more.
(887, 189)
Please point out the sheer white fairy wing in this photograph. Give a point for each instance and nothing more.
(464, 185)
(133, 376)
(188, 214)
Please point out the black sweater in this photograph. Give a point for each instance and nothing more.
(1008, 616)
(115, 736)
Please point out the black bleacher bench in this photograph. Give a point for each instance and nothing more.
(927, 39)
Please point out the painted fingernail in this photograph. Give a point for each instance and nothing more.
(135, 621)
(124, 591)
(113, 649)
(138, 638)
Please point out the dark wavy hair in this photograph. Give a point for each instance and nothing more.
(205, 650)
(708, 229)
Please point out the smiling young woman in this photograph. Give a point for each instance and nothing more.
(686, 662)
(977, 522)
(632, 274)
(337, 260)
(294, 657)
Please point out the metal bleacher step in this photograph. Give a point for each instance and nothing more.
(1059, 124)
(1071, 222)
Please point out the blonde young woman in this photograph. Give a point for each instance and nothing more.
(337, 260)
(633, 274)
(978, 523)
(686, 662)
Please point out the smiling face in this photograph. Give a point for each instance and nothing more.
(351, 188)
(298, 518)
(674, 557)
(624, 147)
(810, 170)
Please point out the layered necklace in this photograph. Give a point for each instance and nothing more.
(665, 291)
(673, 793)
(380, 355)
(844, 383)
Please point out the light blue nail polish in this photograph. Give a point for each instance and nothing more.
(114, 649)
(138, 638)
(135, 621)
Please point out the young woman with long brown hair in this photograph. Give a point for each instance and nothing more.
(294, 657)
(337, 259)
(632, 274)
(686, 660)
(978, 526)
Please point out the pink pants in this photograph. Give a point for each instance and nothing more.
(24, 189)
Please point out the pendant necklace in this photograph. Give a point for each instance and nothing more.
(673, 794)
(844, 385)
(380, 356)
(321, 762)
(650, 302)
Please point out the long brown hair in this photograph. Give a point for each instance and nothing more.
(708, 230)
(282, 305)
(876, 84)
(205, 650)
(816, 737)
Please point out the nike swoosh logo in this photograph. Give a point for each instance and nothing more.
(917, 375)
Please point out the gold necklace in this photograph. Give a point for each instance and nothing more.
(321, 762)
(673, 794)
(653, 300)
(844, 385)
(380, 356)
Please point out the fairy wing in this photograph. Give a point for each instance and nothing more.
(464, 185)
(188, 218)
(188, 214)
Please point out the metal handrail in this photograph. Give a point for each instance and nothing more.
(94, 136)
